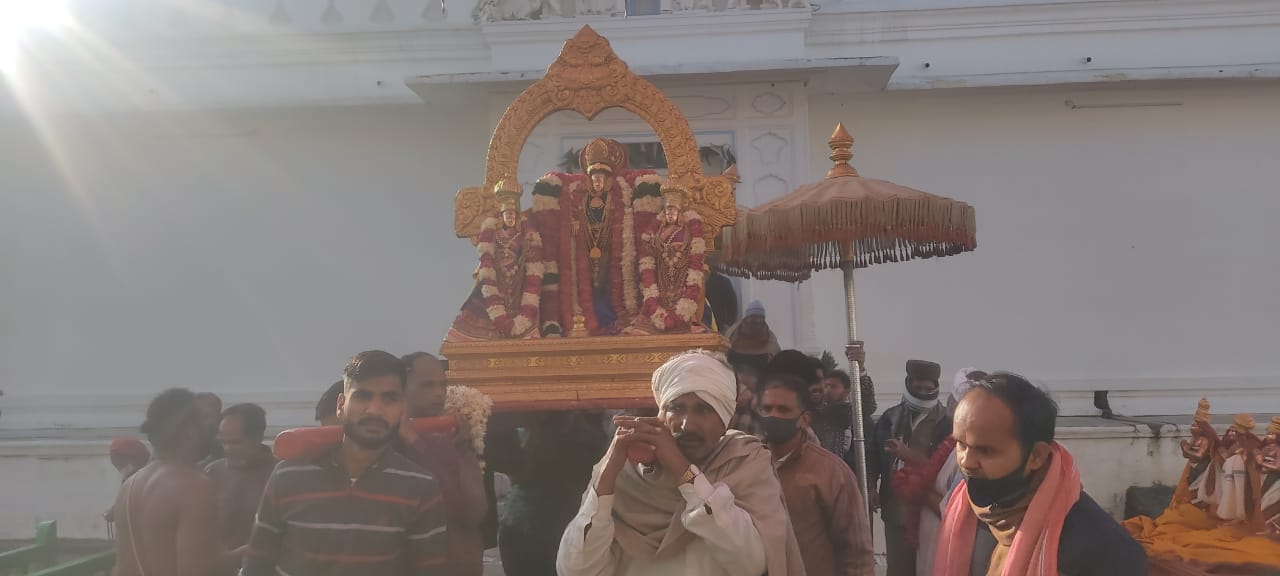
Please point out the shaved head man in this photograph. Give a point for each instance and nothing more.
(166, 511)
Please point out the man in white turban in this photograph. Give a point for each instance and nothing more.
(681, 494)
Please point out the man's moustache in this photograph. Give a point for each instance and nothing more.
(686, 437)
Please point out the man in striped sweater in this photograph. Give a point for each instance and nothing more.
(361, 508)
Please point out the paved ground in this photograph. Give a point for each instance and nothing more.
(493, 566)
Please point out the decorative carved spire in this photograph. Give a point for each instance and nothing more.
(840, 144)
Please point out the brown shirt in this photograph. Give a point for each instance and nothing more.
(239, 493)
(457, 470)
(828, 512)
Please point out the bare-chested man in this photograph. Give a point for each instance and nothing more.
(166, 512)
(452, 461)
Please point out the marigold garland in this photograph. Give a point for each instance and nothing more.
(546, 215)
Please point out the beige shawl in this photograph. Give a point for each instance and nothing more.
(647, 507)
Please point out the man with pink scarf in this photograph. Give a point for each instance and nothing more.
(1021, 510)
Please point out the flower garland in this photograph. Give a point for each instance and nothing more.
(473, 407)
(504, 323)
(546, 214)
(663, 318)
(628, 262)
(912, 483)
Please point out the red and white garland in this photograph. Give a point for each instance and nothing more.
(506, 324)
(622, 254)
(664, 319)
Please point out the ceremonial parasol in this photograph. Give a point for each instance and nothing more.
(846, 222)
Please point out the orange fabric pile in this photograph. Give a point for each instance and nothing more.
(1191, 534)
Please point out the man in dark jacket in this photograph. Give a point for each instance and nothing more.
(906, 433)
(1023, 510)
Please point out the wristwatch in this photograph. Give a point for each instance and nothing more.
(690, 474)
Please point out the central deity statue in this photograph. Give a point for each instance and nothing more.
(590, 225)
(629, 248)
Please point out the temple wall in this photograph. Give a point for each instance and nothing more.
(1125, 249)
(248, 253)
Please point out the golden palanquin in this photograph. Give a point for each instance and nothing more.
(569, 368)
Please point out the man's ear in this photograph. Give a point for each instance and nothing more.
(342, 404)
(1039, 458)
(806, 420)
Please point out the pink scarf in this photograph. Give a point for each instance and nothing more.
(1034, 551)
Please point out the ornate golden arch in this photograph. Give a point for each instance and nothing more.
(588, 77)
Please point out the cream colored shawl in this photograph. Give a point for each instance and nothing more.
(647, 506)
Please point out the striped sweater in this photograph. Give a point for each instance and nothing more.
(316, 521)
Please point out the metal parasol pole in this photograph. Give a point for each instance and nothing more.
(855, 374)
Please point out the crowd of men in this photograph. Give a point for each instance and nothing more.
(747, 467)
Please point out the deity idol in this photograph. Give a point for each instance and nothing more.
(507, 296)
(1268, 461)
(1198, 478)
(1237, 472)
(603, 245)
(672, 271)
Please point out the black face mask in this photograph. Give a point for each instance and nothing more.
(778, 430)
(931, 395)
(984, 492)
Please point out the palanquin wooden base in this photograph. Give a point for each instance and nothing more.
(569, 373)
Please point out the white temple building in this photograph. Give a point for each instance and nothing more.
(237, 195)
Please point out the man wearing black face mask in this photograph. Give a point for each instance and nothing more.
(1021, 509)
(906, 434)
(824, 501)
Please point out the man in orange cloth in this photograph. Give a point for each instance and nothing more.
(1193, 530)
(1021, 510)
(1199, 477)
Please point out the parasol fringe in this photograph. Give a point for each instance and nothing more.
(793, 236)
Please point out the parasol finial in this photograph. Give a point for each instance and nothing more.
(732, 173)
(840, 144)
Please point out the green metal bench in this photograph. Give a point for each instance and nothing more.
(44, 552)
(96, 564)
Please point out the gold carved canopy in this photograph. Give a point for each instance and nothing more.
(588, 77)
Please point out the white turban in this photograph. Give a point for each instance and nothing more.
(961, 384)
(700, 372)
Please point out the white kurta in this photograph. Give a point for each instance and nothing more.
(930, 522)
(727, 541)
(1232, 484)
